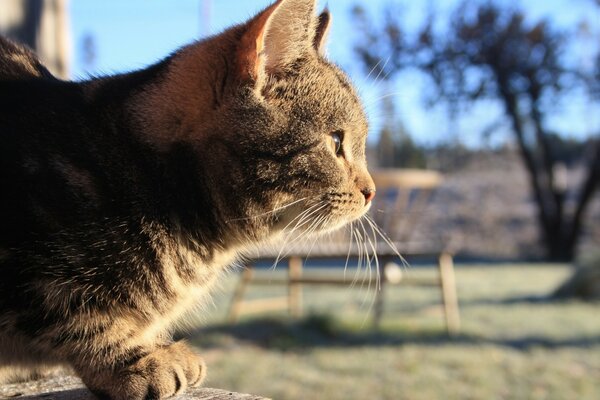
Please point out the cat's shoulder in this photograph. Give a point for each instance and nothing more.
(18, 62)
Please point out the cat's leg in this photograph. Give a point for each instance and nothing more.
(110, 323)
(162, 373)
(19, 364)
(111, 366)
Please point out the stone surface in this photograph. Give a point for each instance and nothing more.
(71, 388)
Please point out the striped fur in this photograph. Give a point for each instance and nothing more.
(125, 197)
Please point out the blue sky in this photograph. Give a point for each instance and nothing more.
(132, 34)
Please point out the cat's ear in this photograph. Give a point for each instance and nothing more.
(322, 32)
(276, 38)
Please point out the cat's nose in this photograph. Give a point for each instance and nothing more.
(369, 194)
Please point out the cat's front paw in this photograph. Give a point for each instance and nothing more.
(163, 373)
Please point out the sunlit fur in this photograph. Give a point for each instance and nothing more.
(125, 197)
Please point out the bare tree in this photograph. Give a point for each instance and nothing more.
(490, 52)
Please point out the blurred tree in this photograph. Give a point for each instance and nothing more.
(396, 148)
(450, 156)
(488, 52)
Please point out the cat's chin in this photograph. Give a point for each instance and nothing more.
(338, 223)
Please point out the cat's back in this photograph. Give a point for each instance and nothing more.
(36, 111)
(19, 63)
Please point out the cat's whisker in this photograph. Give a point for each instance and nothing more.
(387, 240)
(373, 69)
(298, 221)
(376, 230)
(361, 256)
(309, 232)
(267, 213)
(373, 242)
(365, 246)
(306, 216)
(320, 224)
(373, 257)
(375, 101)
(369, 275)
(365, 253)
(381, 70)
(350, 226)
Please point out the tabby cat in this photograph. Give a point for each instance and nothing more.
(124, 197)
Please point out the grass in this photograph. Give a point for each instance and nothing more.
(513, 345)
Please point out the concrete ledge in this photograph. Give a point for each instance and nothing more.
(71, 388)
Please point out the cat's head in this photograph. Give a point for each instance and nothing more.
(279, 129)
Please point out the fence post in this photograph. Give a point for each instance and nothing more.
(238, 297)
(295, 288)
(380, 293)
(449, 296)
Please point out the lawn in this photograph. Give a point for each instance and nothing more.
(514, 344)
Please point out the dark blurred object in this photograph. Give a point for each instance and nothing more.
(89, 52)
(490, 52)
(43, 26)
(584, 284)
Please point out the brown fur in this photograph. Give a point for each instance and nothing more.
(126, 197)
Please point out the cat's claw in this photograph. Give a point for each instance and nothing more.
(164, 373)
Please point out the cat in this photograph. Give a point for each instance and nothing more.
(124, 197)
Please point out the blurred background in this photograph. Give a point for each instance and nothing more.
(500, 99)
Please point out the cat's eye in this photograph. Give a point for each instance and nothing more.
(337, 137)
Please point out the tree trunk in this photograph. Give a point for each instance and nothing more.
(557, 242)
(559, 247)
